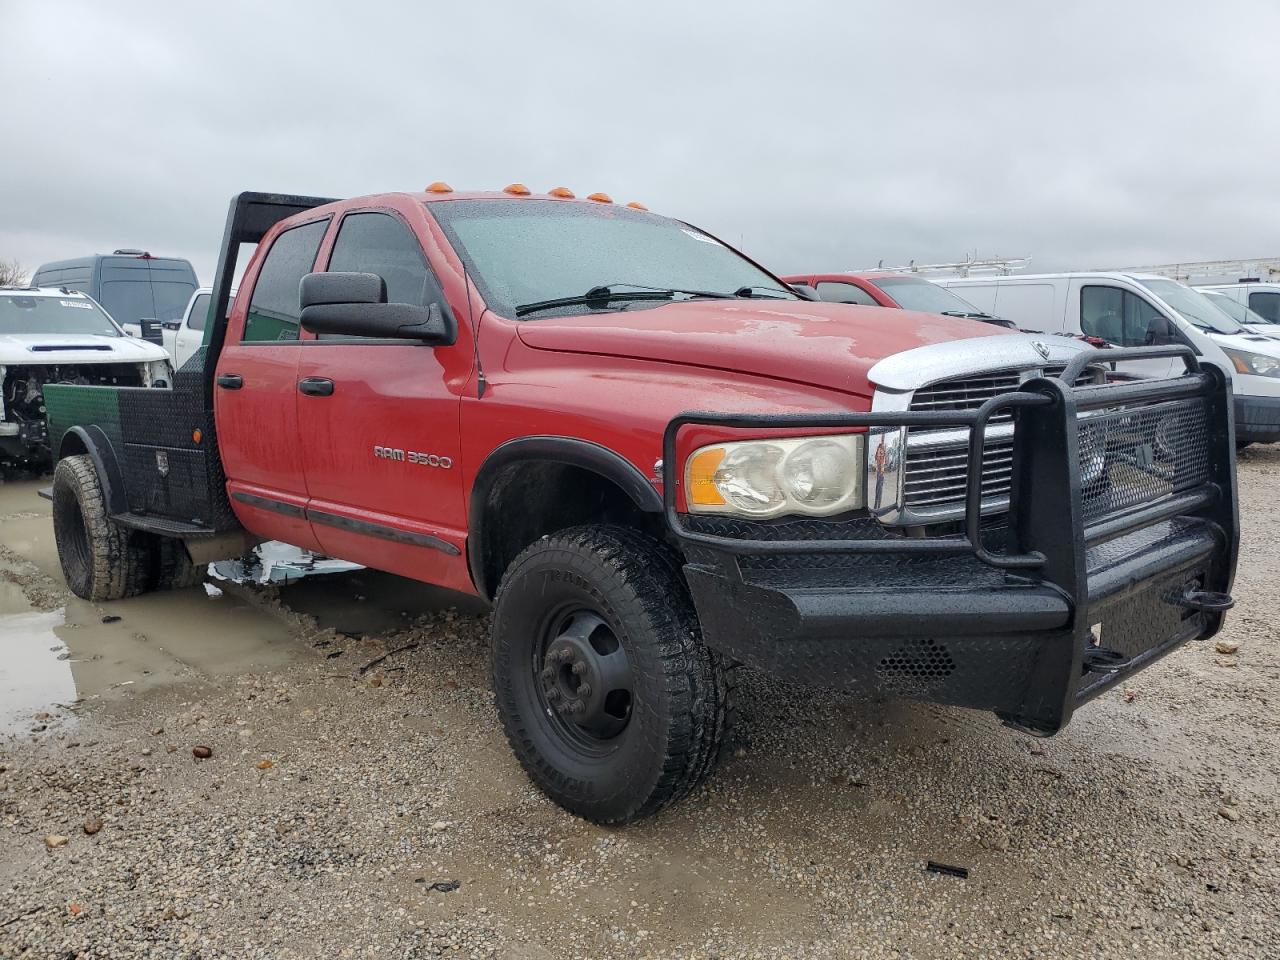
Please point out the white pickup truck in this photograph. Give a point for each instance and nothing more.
(57, 335)
(183, 337)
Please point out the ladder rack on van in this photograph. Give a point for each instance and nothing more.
(1000, 266)
(1257, 270)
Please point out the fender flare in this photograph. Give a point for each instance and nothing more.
(97, 445)
(567, 450)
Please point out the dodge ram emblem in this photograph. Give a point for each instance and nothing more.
(1041, 348)
(162, 462)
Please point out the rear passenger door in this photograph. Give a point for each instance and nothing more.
(256, 390)
(379, 418)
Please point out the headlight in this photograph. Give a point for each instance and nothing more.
(812, 476)
(1258, 364)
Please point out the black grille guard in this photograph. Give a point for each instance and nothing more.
(1048, 528)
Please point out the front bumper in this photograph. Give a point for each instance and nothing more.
(1257, 419)
(1030, 615)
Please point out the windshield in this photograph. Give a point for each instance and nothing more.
(1192, 305)
(912, 293)
(525, 253)
(1236, 311)
(75, 315)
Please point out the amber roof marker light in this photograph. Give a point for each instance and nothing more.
(637, 205)
(600, 198)
(519, 189)
(564, 192)
(439, 187)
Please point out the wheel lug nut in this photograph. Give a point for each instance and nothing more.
(584, 689)
(579, 668)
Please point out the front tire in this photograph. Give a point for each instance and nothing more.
(610, 699)
(100, 559)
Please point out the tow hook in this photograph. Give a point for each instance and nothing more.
(1206, 601)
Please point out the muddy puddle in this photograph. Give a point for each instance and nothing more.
(58, 652)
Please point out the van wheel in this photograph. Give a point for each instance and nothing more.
(610, 699)
(101, 560)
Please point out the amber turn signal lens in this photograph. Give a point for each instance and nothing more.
(637, 205)
(701, 475)
(600, 198)
(196, 436)
(519, 189)
(439, 187)
(560, 192)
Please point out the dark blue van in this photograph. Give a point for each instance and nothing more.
(140, 291)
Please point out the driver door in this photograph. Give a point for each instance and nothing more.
(1123, 319)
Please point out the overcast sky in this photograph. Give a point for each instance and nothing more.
(814, 135)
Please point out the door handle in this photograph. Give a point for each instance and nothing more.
(316, 386)
(230, 381)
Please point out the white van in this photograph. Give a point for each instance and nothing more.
(1237, 311)
(1133, 310)
(184, 337)
(1262, 298)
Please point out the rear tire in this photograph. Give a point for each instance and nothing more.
(609, 698)
(100, 559)
(173, 567)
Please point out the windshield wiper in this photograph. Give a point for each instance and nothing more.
(966, 315)
(603, 295)
(745, 293)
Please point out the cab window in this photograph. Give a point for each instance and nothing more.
(274, 308)
(834, 292)
(1267, 304)
(1117, 316)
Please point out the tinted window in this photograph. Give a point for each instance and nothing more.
(274, 310)
(1115, 315)
(129, 301)
(199, 312)
(382, 244)
(171, 298)
(844, 293)
(1267, 304)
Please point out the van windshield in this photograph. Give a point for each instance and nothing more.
(1193, 306)
(913, 293)
(74, 315)
(1236, 311)
(539, 258)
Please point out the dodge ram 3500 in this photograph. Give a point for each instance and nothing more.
(659, 462)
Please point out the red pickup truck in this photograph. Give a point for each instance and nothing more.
(880, 288)
(659, 462)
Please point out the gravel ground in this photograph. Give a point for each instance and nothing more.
(379, 813)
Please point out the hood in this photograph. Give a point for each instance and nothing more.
(823, 344)
(25, 349)
(1250, 342)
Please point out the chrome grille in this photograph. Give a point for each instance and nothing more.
(935, 474)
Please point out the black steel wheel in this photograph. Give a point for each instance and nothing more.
(608, 696)
(100, 559)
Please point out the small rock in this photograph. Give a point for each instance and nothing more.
(202, 752)
(375, 681)
(55, 840)
(1226, 663)
(1229, 813)
(156, 731)
(265, 764)
(1037, 750)
(146, 751)
(1227, 646)
(440, 826)
(171, 748)
(1130, 696)
(74, 909)
(110, 618)
(92, 825)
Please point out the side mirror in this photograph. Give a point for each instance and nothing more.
(355, 305)
(804, 291)
(1161, 332)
